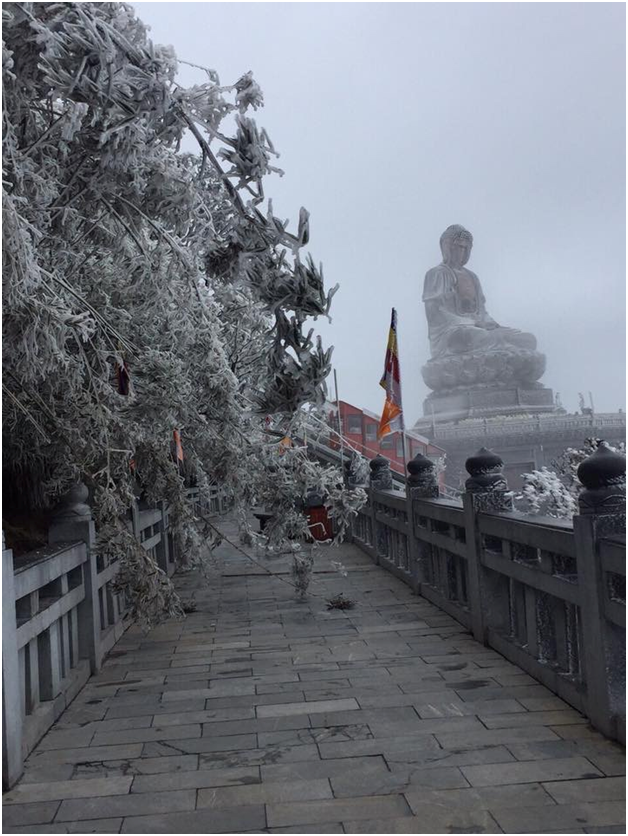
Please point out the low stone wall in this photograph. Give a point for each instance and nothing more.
(61, 616)
(548, 595)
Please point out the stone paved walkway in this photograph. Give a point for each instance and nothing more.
(259, 713)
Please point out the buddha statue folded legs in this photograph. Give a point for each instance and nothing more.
(465, 339)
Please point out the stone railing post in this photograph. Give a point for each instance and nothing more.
(602, 505)
(163, 550)
(381, 477)
(485, 490)
(73, 521)
(380, 480)
(420, 484)
(12, 757)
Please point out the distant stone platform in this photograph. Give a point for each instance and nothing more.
(525, 442)
(485, 402)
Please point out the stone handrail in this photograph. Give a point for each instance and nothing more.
(62, 615)
(45, 635)
(546, 594)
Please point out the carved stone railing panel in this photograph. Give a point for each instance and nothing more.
(549, 598)
(62, 615)
(44, 650)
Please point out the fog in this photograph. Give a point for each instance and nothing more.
(396, 120)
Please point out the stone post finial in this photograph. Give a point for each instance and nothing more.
(422, 477)
(381, 477)
(74, 504)
(485, 472)
(487, 481)
(603, 475)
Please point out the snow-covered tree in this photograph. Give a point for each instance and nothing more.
(145, 290)
(554, 493)
(544, 493)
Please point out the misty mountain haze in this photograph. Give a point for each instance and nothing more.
(394, 121)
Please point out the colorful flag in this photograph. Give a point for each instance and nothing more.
(392, 417)
(177, 445)
(285, 442)
(123, 378)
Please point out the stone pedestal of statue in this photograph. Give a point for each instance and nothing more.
(485, 402)
(477, 368)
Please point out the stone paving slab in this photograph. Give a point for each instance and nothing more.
(582, 732)
(493, 737)
(408, 760)
(313, 812)
(311, 707)
(313, 828)
(479, 798)
(324, 769)
(259, 757)
(266, 793)
(42, 774)
(230, 743)
(544, 819)
(448, 707)
(137, 766)
(109, 825)
(356, 784)
(217, 717)
(35, 812)
(300, 737)
(87, 755)
(609, 764)
(126, 805)
(196, 779)
(139, 709)
(568, 792)
(53, 790)
(239, 820)
(553, 769)
(258, 713)
(593, 750)
(432, 820)
(158, 732)
(549, 718)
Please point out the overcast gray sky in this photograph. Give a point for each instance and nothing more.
(395, 120)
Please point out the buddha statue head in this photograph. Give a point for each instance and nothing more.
(455, 244)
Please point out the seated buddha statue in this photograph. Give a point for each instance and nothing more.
(458, 322)
(467, 346)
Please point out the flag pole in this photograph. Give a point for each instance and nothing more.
(340, 433)
(405, 450)
(403, 426)
(391, 382)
